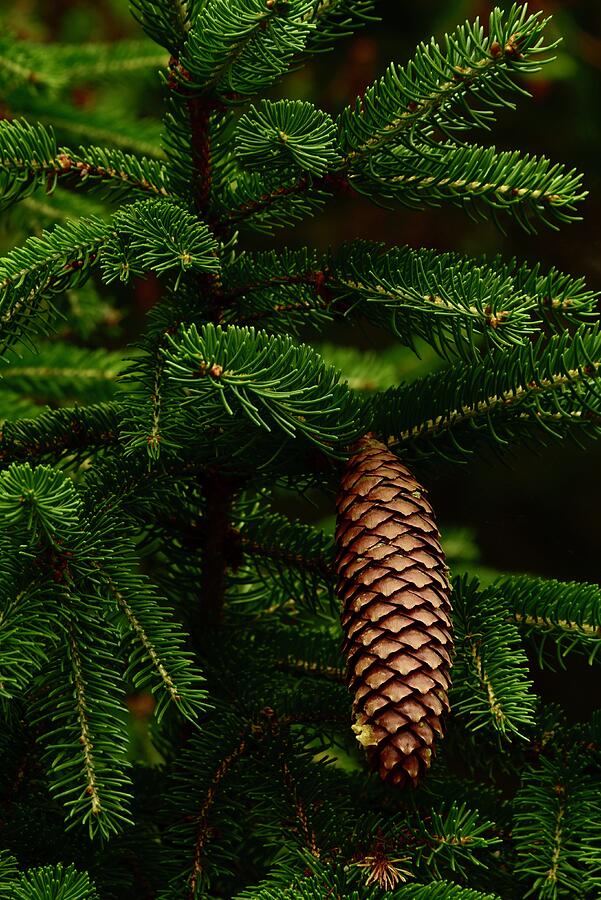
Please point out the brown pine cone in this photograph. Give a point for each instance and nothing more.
(394, 595)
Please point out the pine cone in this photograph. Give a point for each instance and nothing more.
(394, 594)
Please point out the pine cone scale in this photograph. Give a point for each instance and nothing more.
(394, 593)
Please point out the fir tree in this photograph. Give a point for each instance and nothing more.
(143, 553)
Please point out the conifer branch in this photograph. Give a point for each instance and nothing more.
(292, 558)
(167, 22)
(84, 729)
(214, 753)
(284, 555)
(49, 68)
(157, 236)
(85, 746)
(59, 373)
(269, 379)
(557, 840)
(144, 424)
(146, 643)
(300, 810)
(79, 431)
(284, 133)
(202, 816)
(8, 871)
(263, 202)
(551, 384)
(478, 178)
(29, 626)
(566, 614)
(447, 299)
(309, 667)
(40, 502)
(454, 833)
(435, 86)
(57, 880)
(31, 159)
(113, 169)
(442, 890)
(74, 241)
(21, 65)
(158, 498)
(154, 644)
(335, 19)
(418, 169)
(140, 137)
(244, 46)
(491, 683)
(101, 61)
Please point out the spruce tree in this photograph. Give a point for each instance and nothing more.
(145, 556)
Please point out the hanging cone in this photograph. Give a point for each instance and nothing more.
(394, 595)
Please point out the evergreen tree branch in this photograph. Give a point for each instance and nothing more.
(59, 881)
(32, 275)
(203, 814)
(157, 660)
(477, 178)
(29, 626)
(556, 830)
(157, 236)
(567, 614)
(215, 754)
(85, 749)
(445, 298)
(50, 67)
(40, 502)
(103, 61)
(90, 560)
(166, 22)
(449, 839)
(31, 159)
(8, 874)
(23, 64)
(436, 85)
(491, 684)
(145, 424)
(141, 237)
(336, 19)
(271, 380)
(27, 160)
(101, 539)
(85, 740)
(263, 201)
(59, 372)
(80, 431)
(550, 384)
(286, 133)
(243, 46)
(286, 556)
(442, 890)
(419, 169)
(112, 169)
(308, 667)
(293, 789)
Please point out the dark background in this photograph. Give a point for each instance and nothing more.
(529, 513)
